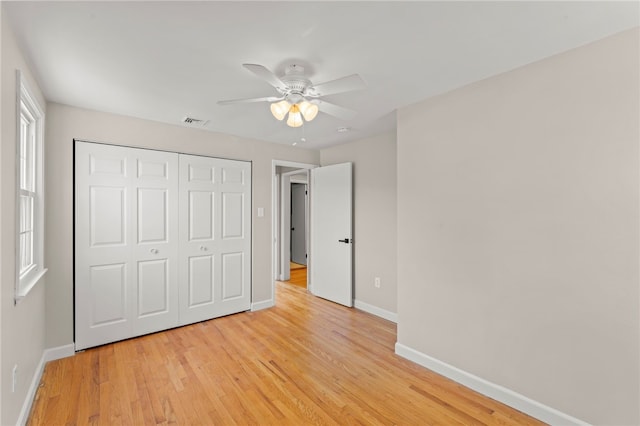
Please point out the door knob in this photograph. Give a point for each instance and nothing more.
(346, 241)
(154, 251)
(203, 248)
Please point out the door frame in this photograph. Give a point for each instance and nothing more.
(276, 212)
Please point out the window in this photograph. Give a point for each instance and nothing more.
(30, 195)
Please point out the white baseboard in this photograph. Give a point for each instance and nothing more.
(59, 352)
(506, 396)
(48, 355)
(374, 310)
(262, 305)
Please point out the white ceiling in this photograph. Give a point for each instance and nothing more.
(166, 60)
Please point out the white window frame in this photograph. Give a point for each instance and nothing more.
(27, 105)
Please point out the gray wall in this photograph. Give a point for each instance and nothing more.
(22, 331)
(518, 227)
(66, 123)
(374, 232)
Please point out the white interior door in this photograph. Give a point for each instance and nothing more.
(331, 233)
(125, 243)
(215, 237)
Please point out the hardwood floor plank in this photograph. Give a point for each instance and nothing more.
(304, 361)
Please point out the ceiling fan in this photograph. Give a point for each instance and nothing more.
(299, 97)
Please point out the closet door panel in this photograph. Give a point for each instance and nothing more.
(201, 217)
(153, 287)
(232, 279)
(215, 199)
(108, 288)
(107, 216)
(201, 272)
(235, 237)
(153, 221)
(232, 215)
(155, 242)
(200, 210)
(103, 275)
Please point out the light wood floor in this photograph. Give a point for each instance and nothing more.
(298, 275)
(294, 265)
(305, 361)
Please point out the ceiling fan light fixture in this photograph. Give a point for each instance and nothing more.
(280, 109)
(308, 110)
(294, 88)
(295, 117)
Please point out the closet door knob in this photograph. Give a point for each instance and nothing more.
(154, 251)
(203, 248)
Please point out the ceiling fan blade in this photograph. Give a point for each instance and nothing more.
(335, 110)
(250, 100)
(266, 75)
(340, 85)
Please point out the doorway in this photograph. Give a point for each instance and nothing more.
(291, 258)
(329, 240)
(294, 232)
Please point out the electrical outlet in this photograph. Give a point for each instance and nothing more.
(376, 282)
(14, 380)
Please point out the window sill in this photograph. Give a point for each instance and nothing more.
(24, 289)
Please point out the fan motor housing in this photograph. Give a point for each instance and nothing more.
(295, 80)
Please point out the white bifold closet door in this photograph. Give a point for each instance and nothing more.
(160, 240)
(126, 247)
(215, 248)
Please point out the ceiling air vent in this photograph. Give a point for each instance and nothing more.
(195, 122)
